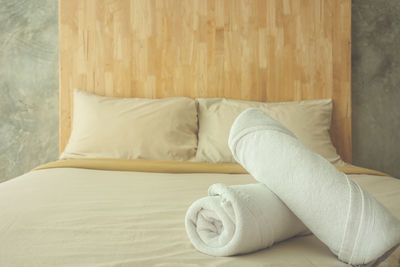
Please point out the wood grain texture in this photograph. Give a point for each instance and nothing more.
(261, 50)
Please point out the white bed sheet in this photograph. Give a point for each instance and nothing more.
(80, 217)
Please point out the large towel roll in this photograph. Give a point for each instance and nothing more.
(356, 227)
(239, 219)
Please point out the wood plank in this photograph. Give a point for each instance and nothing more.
(261, 50)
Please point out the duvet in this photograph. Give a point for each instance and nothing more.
(111, 213)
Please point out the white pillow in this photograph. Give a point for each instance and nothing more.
(309, 120)
(130, 128)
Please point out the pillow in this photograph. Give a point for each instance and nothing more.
(130, 128)
(309, 120)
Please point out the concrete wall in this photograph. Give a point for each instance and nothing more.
(376, 84)
(29, 85)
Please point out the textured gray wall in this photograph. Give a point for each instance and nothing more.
(29, 84)
(376, 84)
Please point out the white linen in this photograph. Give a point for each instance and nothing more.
(80, 217)
(239, 219)
(347, 219)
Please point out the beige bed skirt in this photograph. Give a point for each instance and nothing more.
(157, 166)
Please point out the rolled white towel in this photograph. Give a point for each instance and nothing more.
(356, 227)
(239, 219)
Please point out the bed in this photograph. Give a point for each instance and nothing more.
(106, 210)
(84, 217)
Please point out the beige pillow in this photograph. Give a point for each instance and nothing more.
(308, 120)
(130, 128)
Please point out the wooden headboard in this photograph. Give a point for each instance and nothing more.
(262, 50)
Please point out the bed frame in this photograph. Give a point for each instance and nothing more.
(261, 50)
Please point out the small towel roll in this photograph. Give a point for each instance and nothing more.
(356, 227)
(239, 219)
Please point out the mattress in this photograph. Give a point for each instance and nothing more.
(84, 217)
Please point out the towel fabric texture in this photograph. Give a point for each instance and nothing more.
(239, 219)
(355, 226)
